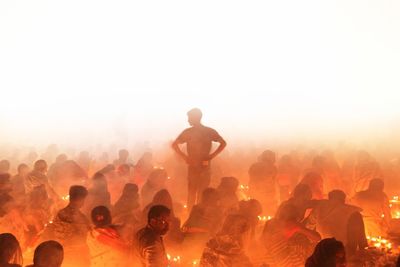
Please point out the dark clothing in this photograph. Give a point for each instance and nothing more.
(149, 248)
(199, 142)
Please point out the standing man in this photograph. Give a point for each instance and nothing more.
(198, 140)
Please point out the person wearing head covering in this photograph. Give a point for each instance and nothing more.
(198, 139)
(329, 252)
(287, 242)
(125, 207)
(48, 254)
(262, 181)
(148, 244)
(316, 183)
(366, 169)
(105, 243)
(227, 248)
(143, 168)
(375, 208)
(10, 251)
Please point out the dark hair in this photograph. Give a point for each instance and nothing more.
(338, 195)
(228, 183)
(77, 192)
(324, 254)
(195, 112)
(46, 254)
(156, 211)
(163, 197)
(130, 188)
(10, 250)
(101, 216)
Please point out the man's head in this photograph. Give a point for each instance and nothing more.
(77, 195)
(123, 154)
(48, 254)
(159, 218)
(40, 166)
(194, 116)
(23, 169)
(376, 185)
(210, 197)
(337, 196)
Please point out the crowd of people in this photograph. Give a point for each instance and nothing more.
(291, 210)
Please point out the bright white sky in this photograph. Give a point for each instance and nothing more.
(84, 71)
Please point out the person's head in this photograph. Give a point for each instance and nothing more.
(267, 156)
(159, 218)
(328, 252)
(61, 158)
(123, 154)
(163, 197)
(101, 216)
(48, 254)
(4, 166)
(158, 177)
(77, 195)
(287, 213)
(376, 185)
(302, 193)
(23, 169)
(337, 196)
(10, 250)
(147, 157)
(235, 225)
(228, 184)
(40, 166)
(194, 116)
(210, 197)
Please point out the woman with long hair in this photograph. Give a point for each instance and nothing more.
(10, 251)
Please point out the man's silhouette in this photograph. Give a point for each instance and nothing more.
(198, 140)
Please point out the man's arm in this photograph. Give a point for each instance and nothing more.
(175, 146)
(221, 147)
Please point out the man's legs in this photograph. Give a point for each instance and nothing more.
(198, 180)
